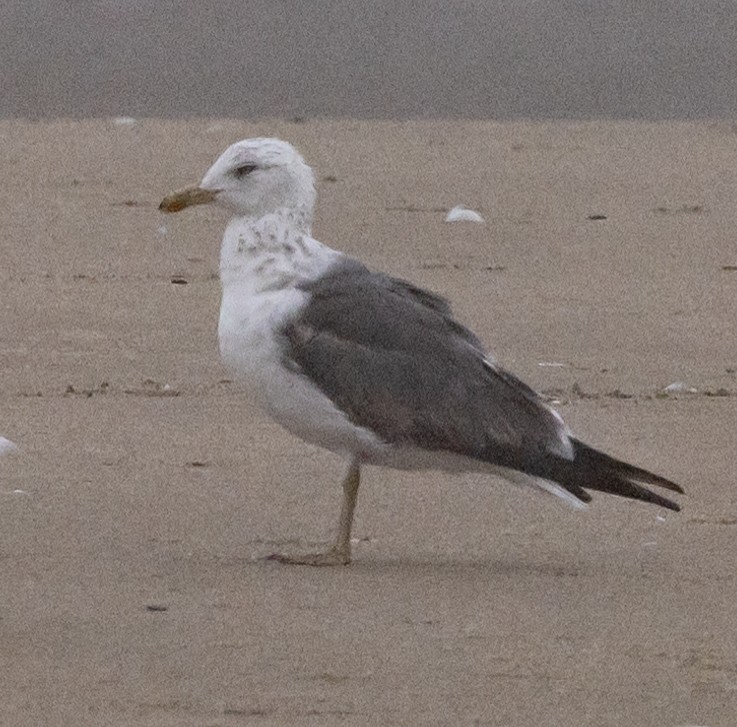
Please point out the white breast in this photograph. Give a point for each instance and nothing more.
(252, 349)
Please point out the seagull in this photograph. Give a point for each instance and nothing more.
(369, 366)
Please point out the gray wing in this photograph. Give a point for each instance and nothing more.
(392, 357)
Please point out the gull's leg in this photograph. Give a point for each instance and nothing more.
(340, 552)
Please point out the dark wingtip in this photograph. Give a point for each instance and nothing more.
(664, 502)
(651, 478)
(595, 470)
(675, 487)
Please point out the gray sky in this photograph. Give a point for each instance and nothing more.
(503, 59)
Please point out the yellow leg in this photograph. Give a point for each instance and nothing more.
(340, 552)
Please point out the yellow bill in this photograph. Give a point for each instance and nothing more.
(177, 201)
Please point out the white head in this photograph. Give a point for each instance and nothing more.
(253, 178)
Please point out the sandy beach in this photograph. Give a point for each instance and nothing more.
(145, 489)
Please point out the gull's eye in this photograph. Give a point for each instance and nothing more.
(244, 170)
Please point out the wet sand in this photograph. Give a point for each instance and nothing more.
(146, 489)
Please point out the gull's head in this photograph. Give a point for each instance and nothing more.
(252, 178)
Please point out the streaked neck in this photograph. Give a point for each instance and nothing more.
(273, 251)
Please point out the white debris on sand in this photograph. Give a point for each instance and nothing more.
(7, 446)
(462, 214)
(125, 121)
(680, 387)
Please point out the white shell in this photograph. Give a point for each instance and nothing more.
(680, 387)
(461, 214)
(6, 446)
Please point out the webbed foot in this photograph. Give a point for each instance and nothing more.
(332, 556)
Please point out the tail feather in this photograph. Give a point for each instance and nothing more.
(591, 469)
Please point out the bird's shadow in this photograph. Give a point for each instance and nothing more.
(435, 565)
